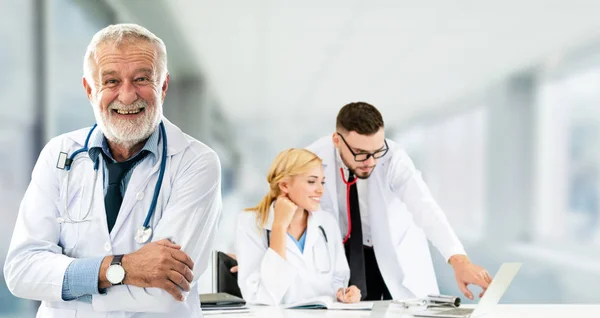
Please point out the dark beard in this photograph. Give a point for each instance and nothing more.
(363, 177)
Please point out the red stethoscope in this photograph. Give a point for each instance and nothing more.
(348, 185)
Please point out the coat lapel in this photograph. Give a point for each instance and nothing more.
(312, 233)
(99, 196)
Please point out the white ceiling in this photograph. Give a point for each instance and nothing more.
(289, 59)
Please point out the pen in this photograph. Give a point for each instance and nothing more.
(407, 303)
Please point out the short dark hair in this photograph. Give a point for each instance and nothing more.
(361, 117)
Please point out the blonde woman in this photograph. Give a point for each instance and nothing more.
(288, 250)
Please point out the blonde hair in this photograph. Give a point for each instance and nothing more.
(288, 163)
(120, 34)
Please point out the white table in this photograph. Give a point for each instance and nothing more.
(382, 309)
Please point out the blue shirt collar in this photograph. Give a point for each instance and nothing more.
(98, 144)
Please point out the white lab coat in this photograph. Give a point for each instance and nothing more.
(402, 214)
(41, 249)
(266, 278)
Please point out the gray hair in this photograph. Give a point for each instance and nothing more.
(120, 34)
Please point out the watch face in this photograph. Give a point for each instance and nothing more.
(115, 274)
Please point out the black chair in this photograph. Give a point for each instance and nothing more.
(225, 280)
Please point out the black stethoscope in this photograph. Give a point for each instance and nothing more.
(144, 233)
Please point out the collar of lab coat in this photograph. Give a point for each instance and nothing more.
(312, 229)
(271, 218)
(340, 163)
(176, 139)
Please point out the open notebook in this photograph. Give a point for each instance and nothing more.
(325, 302)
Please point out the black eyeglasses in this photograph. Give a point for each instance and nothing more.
(364, 156)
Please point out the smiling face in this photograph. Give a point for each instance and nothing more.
(306, 189)
(126, 91)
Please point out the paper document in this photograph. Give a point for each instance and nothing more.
(325, 302)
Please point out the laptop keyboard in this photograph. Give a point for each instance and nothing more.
(457, 311)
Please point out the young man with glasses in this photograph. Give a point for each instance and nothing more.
(386, 212)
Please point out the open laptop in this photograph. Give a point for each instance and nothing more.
(490, 299)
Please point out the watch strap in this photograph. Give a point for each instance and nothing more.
(116, 260)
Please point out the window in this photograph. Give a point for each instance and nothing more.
(450, 153)
(571, 179)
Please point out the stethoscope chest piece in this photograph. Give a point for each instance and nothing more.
(143, 235)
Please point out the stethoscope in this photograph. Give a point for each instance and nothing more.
(348, 185)
(144, 233)
(324, 270)
(327, 256)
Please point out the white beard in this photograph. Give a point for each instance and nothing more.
(128, 133)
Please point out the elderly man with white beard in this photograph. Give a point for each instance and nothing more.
(119, 218)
